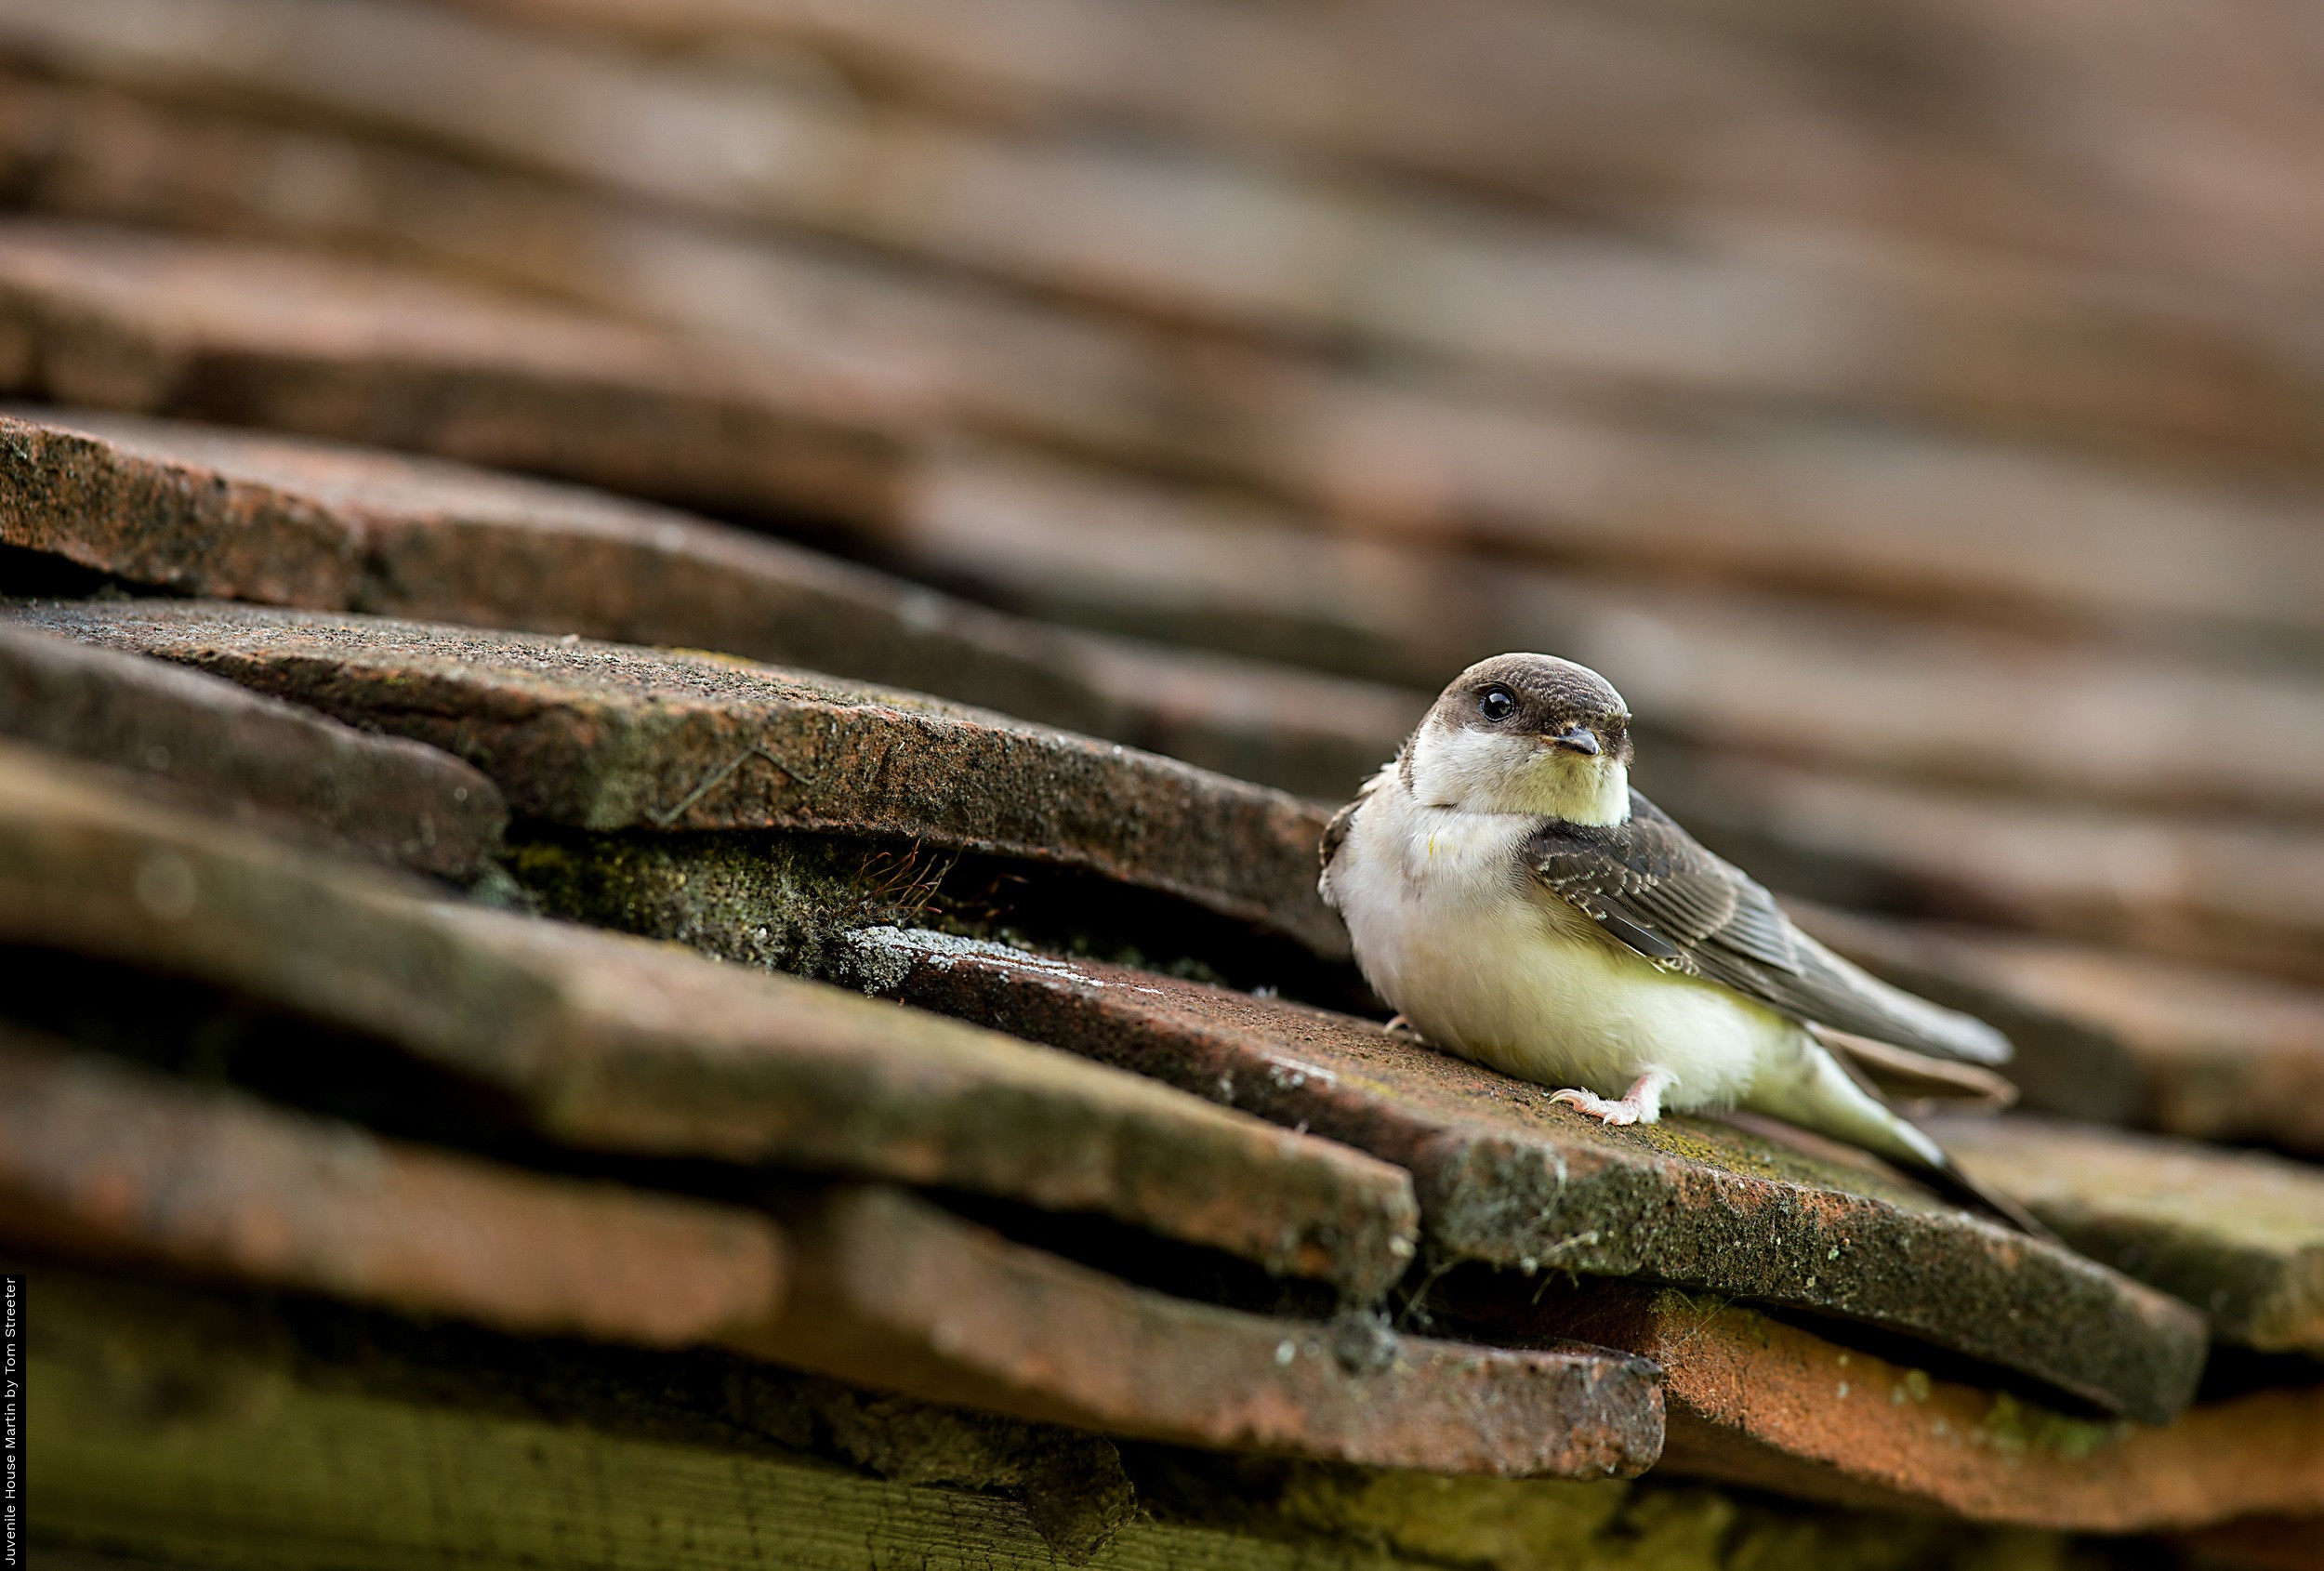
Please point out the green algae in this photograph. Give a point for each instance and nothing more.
(2014, 1428)
(789, 901)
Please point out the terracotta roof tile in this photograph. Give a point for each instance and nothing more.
(873, 1284)
(605, 736)
(1758, 1402)
(253, 335)
(892, 1291)
(284, 520)
(1507, 1179)
(256, 759)
(2239, 1234)
(1196, 236)
(614, 1045)
(1886, 511)
(367, 1441)
(99, 1160)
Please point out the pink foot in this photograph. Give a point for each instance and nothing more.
(1642, 1106)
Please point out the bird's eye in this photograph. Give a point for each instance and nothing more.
(1497, 703)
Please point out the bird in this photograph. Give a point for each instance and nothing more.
(1518, 902)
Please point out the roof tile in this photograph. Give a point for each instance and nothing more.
(892, 1291)
(99, 1160)
(606, 736)
(1758, 1402)
(877, 1286)
(287, 521)
(1884, 511)
(262, 761)
(2239, 1234)
(621, 1046)
(1508, 1180)
(250, 334)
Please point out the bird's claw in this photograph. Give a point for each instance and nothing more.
(1596, 1106)
(1642, 1106)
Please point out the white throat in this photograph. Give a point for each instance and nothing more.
(1485, 771)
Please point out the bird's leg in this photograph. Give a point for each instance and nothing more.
(1643, 1104)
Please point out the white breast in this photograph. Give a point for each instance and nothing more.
(1454, 934)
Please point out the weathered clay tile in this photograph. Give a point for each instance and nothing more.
(2218, 887)
(254, 336)
(98, 1160)
(1519, 293)
(284, 520)
(2190, 1050)
(257, 758)
(1756, 1401)
(1057, 214)
(372, 1443)
(361, 1447)
(605, 736)
(891, 1291)
(2237, 1234)
(708, 573)
(1556, 102)
(1820, 683)
(607, 1043)
(602, 737)
(1924, 517)
(1553, 102)
(1508, 1180)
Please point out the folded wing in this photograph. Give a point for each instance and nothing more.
(1653, 886)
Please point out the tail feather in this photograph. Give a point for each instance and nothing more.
(1948, 1180)
(1821, 1093)
(1906, 1018)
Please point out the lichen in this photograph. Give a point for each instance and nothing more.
(784, 902)
(1551, 1524)
(2014, 1428)
(797, 903)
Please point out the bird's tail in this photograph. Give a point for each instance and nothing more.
(1824, 1092)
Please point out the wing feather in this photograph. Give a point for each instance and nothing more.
(1336, 831)
(1655, 887)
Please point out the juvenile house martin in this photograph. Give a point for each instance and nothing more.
(1518, 904)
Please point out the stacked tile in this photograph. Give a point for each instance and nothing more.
(1675, 443)
(654, 1056)
(576, 1135)
(630, 1060)
(1165, 375)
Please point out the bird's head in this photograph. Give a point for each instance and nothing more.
(1526, 734)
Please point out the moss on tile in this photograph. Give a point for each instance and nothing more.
(788, 902)
(239, 1430)
(777, 900)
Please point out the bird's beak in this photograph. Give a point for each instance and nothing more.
(1580, 739)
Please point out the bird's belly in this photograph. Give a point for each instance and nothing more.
(1530, 986)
